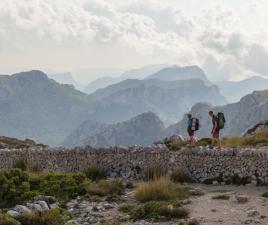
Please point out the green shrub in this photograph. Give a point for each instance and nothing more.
(63, 186)
(240, 180)
(94, 173)
(7, 220)
(179, 176)
(265, 195)
(125, 208)
(18, 186)
(14, 186)
(221, 197)
(156, 209)
(105, 188)
(52, 217)
(204, 142)
(20, 164)
(159, 190)
(153, 172)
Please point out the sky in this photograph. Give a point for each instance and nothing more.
(228, 39)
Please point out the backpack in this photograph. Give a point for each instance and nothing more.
(196, 124)
(221, 120)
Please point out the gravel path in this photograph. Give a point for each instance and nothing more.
(230, 212)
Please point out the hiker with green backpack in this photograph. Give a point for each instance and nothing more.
(217, 124)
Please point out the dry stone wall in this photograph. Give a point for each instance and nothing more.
(128, 163)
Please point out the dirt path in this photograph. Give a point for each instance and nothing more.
(230, 212)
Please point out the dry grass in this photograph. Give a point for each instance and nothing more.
(260, 139)
(159, 190)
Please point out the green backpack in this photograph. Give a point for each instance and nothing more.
(221, 120)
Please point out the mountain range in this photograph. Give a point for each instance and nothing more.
(140, 73)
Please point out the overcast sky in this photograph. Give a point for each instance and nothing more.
(227, 38)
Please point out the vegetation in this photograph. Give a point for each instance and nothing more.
(155, 209)
(260, 139)
(159, 190)
(153, 172)
(180, 176)
(265, 195)
(7, 220)
(18, 186)
(95, 173)
(236, 180)
(221, 197)
(126, 208)
(52, 217)
(105, 188)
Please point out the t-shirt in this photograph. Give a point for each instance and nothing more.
(190, 122)
(214, 120)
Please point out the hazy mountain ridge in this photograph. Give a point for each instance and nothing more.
(180, 73)
(142, 130)
(234, 91)
(140, 73)
(65, 78)
(168, 99)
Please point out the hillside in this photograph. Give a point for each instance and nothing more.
(33, 106)
(240, 116)
(141, 130)
(168, 99)
(234, 91)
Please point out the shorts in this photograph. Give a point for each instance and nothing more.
(216, 134)
(190, 132)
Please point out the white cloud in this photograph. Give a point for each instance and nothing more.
(215, 38)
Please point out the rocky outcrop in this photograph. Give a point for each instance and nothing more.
(141, 130)
(38, 204)
(259, 127)
(129, 162)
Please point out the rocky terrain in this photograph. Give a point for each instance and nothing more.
(259, 127)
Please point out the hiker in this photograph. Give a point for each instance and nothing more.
(217, 124)
(192, 126)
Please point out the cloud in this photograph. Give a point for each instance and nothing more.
(214, 38)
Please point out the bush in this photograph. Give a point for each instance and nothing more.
(52, 217)
(204, 142)
(155, 209)
(14, 186)
(20, 164)
(265, 195)
(160, 190)
(125, 208)
(105, 188)
(179, 176)
(18, 186)
(7, 220)
(94, 173)
(221, 197)
(153, 172)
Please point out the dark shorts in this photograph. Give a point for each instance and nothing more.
(190, 132)
(216, 134)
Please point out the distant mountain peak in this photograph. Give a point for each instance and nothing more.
(33, 74)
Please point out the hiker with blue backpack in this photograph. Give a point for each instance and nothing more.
(218, 122)
(192, 126)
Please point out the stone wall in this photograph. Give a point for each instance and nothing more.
(128, 163)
